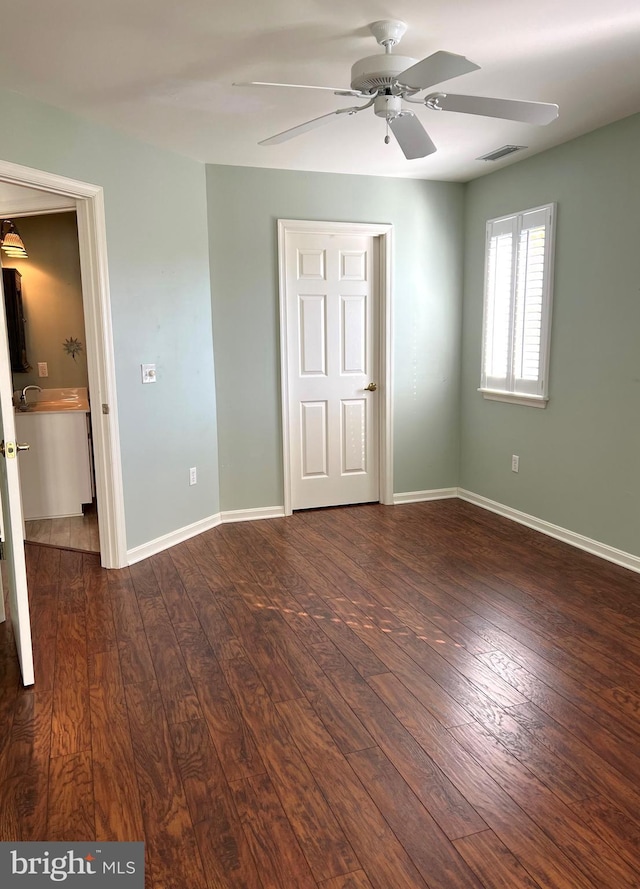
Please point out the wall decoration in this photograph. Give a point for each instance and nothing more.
(72, 347)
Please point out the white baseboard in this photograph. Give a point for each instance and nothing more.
(603, 550)
(418, 496)
(252, 515)
(138, 553)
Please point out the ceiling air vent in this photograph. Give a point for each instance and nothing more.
(501, 152)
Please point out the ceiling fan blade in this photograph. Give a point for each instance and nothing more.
(435, 69)
(302, 86)
(411, 136)
(285, 135)
(509, 109)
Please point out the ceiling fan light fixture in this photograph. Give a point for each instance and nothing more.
(388, 107)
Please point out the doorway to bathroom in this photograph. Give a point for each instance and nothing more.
(28, 192)
(51, 385)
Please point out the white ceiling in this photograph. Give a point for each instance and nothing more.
(163, 71)
(19, 200)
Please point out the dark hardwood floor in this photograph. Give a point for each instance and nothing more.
(414, 696)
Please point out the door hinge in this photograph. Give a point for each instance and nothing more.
(105, 408)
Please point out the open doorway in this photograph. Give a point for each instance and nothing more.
(51, 383)
(28, 192)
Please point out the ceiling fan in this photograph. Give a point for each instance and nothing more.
(389, 81)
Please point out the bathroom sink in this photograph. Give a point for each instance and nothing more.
(54, 400)
(70, 404)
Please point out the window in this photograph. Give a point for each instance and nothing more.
(517, 307)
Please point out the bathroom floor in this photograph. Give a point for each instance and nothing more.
(75, 532)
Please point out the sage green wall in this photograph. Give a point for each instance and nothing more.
(161, 306)
(52, 300)
(244, 206)
(579, 456)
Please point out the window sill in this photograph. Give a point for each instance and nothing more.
(514, 398)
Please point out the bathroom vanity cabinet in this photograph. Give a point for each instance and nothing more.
(55, 473)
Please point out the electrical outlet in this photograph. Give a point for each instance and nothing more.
(43, 369)
(515, 463)
(193, 476)
(148, 373)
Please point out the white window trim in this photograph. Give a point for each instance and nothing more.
(541, 398)
(515, 397)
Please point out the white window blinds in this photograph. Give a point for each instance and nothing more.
(517, 305)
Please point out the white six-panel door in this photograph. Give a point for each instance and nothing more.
(332, 356)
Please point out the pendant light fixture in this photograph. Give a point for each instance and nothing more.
(11, 241)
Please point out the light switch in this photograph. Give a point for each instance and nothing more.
(148, 373)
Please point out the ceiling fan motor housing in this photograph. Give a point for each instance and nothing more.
(378, 72)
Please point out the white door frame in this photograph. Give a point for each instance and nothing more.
(384, 234)
(88, 202)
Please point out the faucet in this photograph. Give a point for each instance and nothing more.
(23, 398)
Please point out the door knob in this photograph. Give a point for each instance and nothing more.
(371, 387)
(8, 449)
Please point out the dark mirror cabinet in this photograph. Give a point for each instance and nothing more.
(12, 281)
